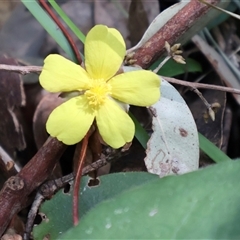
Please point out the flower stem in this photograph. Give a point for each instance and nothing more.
(63, 29)
(78, 179)
(161, 64)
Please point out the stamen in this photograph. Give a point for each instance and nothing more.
(97, 93)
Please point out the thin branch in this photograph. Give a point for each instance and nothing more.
(32, 215)
(171, 32)
(201, 85)
(15, 192)
(21, 69)
(38, 69)
(206, 103)
(161, 64)
(78, 178)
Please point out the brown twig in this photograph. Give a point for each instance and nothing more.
(21, 69)
(171, 32)
(38, 69)
(78, 179)
(15, 192)
(206, 103)
(201, 85)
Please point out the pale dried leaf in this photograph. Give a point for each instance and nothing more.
(173, 147)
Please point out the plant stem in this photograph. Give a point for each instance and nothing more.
(63, 29)
(78, 179)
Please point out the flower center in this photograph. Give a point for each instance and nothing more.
(97, 93)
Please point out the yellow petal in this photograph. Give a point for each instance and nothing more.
(104, 52)
(115, 126)
(140, 88)
(61, 75)
(70, 121)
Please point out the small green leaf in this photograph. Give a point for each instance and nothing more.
(140, 133)
(200, 205)
(211, 150)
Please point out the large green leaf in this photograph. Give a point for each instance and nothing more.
(200, 205)
(58, 210)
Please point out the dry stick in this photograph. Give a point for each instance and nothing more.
(179, 24)
(15, 192)
(46, 191)
(206, 103)
(201, 85)
(21, 69)
(38, 69)
(32, 215)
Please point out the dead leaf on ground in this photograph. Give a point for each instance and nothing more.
(173, 147)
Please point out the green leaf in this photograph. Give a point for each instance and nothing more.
(58, 210)
(198, 205)
(50, 26)
(211, 150)
(140, 133)
(171, 68)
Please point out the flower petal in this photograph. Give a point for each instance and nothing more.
(70, 121)
(61, 75)
(140, 88)
(104, 52)
(115, 126)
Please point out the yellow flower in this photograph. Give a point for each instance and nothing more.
(98, 87)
